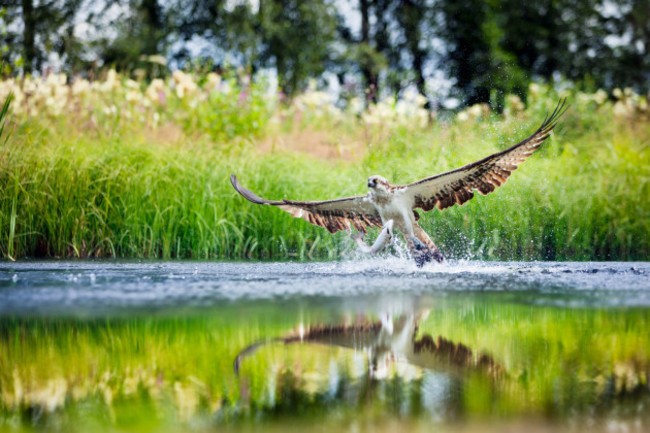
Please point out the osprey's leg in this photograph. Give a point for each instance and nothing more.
(419, 247)
(382, 240)
(422, 247)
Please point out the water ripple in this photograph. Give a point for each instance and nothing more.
(97, 287)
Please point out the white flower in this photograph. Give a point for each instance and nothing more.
(475, 111)
(515, 104)
(600, 97)
(111, 83)
(80, 87)
(414, 97)
(133, 96)
(355, 105)
(29, 86)
(110, 110)
(155, 90)
(213, 81)
(620, 109)
(534, 89)
(184, 84)
(55, 80)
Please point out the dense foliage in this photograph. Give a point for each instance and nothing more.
(123, 168)
(484, 48)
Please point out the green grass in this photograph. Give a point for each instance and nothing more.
(89, 185)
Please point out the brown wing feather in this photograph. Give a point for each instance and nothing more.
(457, 186)
(334, 215)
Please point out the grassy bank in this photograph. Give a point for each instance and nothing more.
(104, 173)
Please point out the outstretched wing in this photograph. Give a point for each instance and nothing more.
(457, 186)
(334, 215)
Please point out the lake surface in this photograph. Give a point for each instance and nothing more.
(357, 345)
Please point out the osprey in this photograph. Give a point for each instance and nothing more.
(394, 206)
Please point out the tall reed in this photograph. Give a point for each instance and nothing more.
(84, 185)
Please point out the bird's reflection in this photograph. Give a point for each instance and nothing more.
(388, 341)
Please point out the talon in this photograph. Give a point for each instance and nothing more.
(418, 244)
(422, 259)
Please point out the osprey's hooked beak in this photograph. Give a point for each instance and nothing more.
(372, 183)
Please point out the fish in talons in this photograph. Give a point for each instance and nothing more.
(384, 238)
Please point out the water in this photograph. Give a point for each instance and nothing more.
(92, 288)
(355, 345)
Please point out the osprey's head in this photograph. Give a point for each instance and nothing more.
(378, 183)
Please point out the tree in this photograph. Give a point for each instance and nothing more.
(292, 36)
(412, 16)
(296, 38)
(29, 34)
(483, 71)
(629, 64)
(142, 30)
(33, 29)
(233, 32)
(468, 51)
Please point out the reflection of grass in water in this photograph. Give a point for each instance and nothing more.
(557, 360)
(142, 373)
(185, 363)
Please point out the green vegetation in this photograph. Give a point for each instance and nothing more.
(162, 372)
(115, 168)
